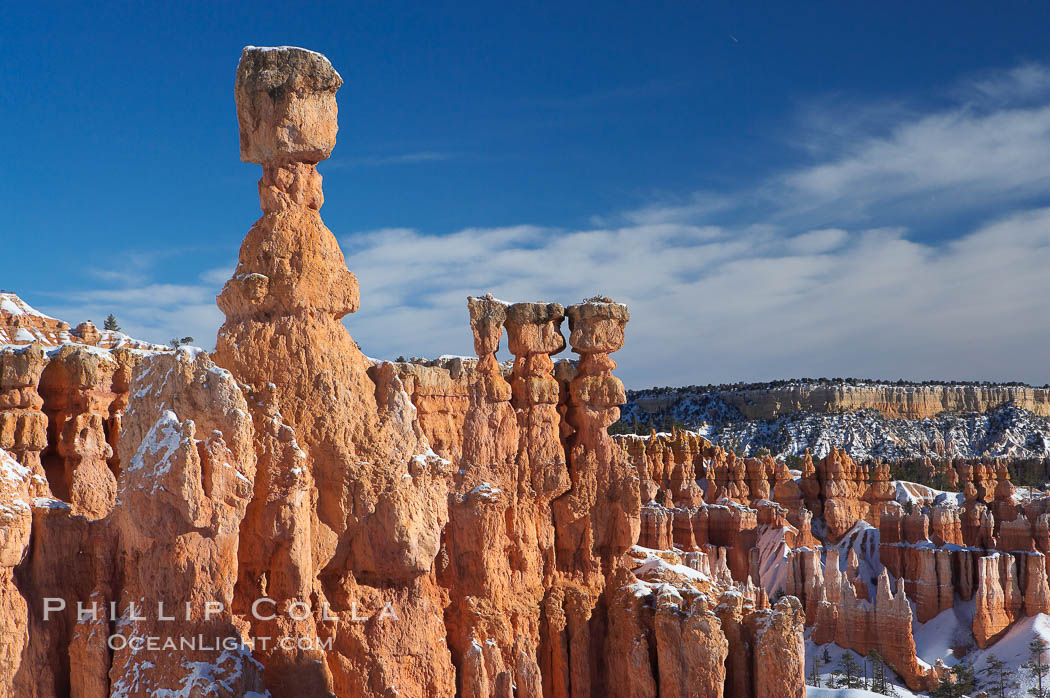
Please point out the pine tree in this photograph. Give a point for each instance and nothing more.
(1037, 668)
(997, 678)
(111, 324)
(878, 674)
(958, 682)
(964, 678)
(814, 676)
(826, 657)
(850, 672)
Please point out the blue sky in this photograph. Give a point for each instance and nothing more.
(824, 189)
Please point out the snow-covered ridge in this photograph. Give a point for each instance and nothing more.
(1006, 429)
(901, 399)
(13, 305)
(21, 324)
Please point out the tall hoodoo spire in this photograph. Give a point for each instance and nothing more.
(289, 262)
(381, 502)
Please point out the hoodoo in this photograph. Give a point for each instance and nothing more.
(381, 496)
(322, 523)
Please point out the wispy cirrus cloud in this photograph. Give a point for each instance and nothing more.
(155, 312)
(958, 158)
(1027, 81)
(410, 158)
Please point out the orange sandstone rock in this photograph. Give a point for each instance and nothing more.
(381, 501)
(992, 616)
(15, 526)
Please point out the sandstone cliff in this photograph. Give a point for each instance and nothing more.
(892, 401)
(868, 419)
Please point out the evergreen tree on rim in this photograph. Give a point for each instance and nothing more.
(1037, 668)
(997, 679)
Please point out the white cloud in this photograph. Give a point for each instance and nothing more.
(218, 276)
(1024, 82)
(816, 241)
(153, 312)
(743, 306)
(953, 160)
(822, 279)
(411, 158)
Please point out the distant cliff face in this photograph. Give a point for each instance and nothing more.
(895, 402)
(866, 419)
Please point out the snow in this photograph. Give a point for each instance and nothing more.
(814, 692)
(88, 349)
(12, 471)
(814, 651)
(936, 638)
(8, 307)
(12, 304)
(773, 561)
(422, 458)
(863, 540)
(921, 495)
(1006, 430)
(200, 678)
(486, 491)
(166, 436)
(1012, 648)
(292, 48)
(658, 564)
(48, 503)
(51, 332)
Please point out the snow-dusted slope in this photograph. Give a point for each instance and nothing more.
(1006, 430)
(22, 324)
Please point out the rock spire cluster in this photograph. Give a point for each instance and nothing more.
(457, 527)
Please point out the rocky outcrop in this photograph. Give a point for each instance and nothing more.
(997, 596)
(1036, 589)
(883, 624)
(78, 391)
(15, 526)
(415, 528)
(598, 519)
(906, 402)
(61, 406)
(440, 392)
(779, 650)
(669, 465)
(21, 324)
(23, 424)
(183, 496)
(674, 627)
(843, 484)
(970, 421)
(381, 500)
